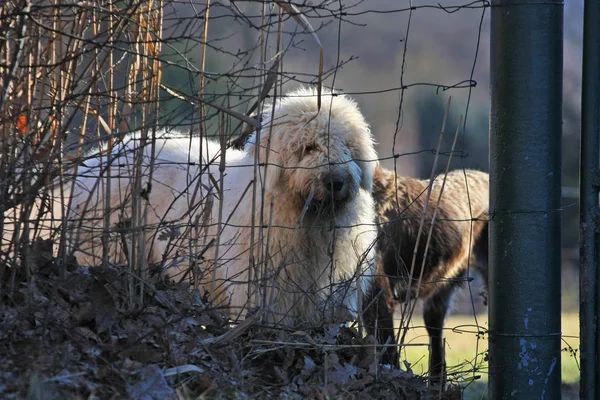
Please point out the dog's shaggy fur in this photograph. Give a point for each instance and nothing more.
(313, 202)
(459, 240)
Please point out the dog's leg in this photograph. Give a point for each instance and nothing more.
(480, 260)
(434, 315)
(379, 321)
(386, 333)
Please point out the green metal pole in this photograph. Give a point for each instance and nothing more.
(589, 176)
(525, 193)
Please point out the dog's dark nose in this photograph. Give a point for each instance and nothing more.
(334, 182)
(336, 185)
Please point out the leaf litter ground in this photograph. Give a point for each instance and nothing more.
(80, 336)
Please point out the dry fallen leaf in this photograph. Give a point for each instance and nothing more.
(151, 385)
(342, 373)
(41, 252)
(105, 309)
(309, 366)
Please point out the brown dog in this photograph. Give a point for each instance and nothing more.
(459, 240)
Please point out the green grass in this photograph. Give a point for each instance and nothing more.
(466, 349)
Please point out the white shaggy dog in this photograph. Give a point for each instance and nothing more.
(311, 247)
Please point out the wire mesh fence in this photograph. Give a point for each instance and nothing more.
(189, 209)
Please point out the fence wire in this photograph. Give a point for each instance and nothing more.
(176, 210)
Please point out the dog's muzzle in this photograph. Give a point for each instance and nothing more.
(336, 187)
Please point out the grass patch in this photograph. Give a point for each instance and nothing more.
(466, 350)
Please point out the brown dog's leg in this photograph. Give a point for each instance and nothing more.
(379, 320)
(480, 257)
(434, 315)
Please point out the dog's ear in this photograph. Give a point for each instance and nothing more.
(366, 158)
(271, 175)
(368, 172)
(271, 166)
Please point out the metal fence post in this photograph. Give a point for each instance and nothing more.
(589, 176)
(525, 193)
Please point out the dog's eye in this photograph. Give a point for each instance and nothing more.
(310, 148)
